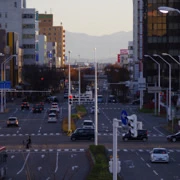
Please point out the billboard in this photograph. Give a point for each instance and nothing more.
(123, 51)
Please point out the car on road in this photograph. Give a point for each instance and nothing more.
(136, 102)
(92, 110)
(52, 118)
(37, 108)
(88, 124)
(141, 135)
(159, 155)
(55, 105)
(174, 137)
(12, 121)
(112, 99)
(25, 105)
(53, 110)
(83, 134)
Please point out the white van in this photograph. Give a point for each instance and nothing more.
(88, 124)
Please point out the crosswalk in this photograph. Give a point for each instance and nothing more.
(62, 134)
(36, 150)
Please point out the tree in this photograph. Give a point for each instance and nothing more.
(117, 74)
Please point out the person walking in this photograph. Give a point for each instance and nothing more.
(28, 142)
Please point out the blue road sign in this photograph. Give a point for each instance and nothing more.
(5, 84)
(124, 117)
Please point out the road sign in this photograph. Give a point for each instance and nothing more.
(124, 117)
(5, 85)
(154, 89)
(141, 84)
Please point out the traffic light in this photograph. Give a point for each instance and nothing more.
(132, 122)
(70, 99)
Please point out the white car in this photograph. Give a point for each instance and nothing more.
(55, 106)
(92, 111)
(88, 124)
(52, 118)
(159, 155)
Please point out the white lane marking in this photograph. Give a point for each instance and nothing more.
(155, 172)
(142, 159)
(158, 131)
(39, 168)
(148, 165)
(23, 164)
(12, 156)
(42, 156)
(173, 159)
(57, 157)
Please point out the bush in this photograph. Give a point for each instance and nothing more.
(81, 110)
(100, 170)
(65, 125)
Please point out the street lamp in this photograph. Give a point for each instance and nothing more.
(95, 100)
(159, 81)
(79, 83)
(165, 9)
(69, 94)
(169, 109)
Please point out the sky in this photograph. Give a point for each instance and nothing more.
(93, 17)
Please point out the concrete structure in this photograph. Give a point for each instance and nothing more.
(54, 34)
(42, 48)
(15, 17)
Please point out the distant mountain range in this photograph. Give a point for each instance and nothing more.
(107, 46)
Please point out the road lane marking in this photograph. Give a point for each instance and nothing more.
(57, 157)
(155, 172)
(148, 165)
(142, 159)
(23, 164)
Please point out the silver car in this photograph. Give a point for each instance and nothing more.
(159, 155)
(52, 118)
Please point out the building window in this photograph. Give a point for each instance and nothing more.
(28, 26)
(28, 16)
(0, 15)
(6, 15)
(5, 25)
(15, 4)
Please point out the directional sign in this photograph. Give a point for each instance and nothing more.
(123, 117)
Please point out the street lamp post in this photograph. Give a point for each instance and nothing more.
(79, 83)
(69, 92)
(169, 109)
(159, 81)
(95, 101)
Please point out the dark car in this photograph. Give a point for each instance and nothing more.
(136, 102)
(42, 105)
(83, 134)
(174, 137)
(37, 108)
(25, 105)
(141, 135)
(112, 99)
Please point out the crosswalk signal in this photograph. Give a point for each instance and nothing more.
(70, 99)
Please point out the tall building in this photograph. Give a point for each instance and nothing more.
(53, 33)
(161, 34)
(156, 33)
(15, 17)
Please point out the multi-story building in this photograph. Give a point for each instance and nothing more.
(157, 33)
(53, 33)
(52, 54)
(42, 49)
(15, 17)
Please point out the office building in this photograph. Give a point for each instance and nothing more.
(54, 34)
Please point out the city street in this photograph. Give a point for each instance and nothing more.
(66, 158)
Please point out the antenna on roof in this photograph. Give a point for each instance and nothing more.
(45, 12)
(50, 10)
(61, 23)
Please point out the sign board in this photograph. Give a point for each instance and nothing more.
(154, 89)
(124, 117)
(141, 84)
(5, 84)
